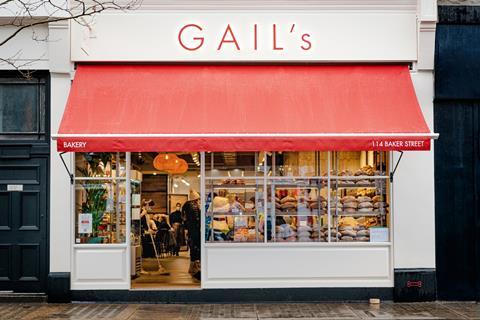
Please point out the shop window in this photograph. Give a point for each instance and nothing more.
(22, 108)
(317, 199)
(235, 191)
(100, 198)
(308, 197)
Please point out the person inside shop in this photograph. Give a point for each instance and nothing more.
(191, 213)
(176, 222)
(147, 227)
(165, 239)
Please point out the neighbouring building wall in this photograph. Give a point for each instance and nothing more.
(457, 153)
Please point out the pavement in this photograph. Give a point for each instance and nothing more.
(284, 311)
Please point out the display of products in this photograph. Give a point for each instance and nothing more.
(304, 202)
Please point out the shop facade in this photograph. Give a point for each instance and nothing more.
(300, 114)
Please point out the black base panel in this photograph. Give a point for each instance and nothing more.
(415, 285)
(234, 295)
(58, 287)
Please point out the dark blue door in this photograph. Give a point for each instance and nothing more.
(23, 224)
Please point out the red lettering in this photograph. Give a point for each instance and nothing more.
(255, 36)
(232, 40)
(308, 45)
(275, 38)
(200, 39)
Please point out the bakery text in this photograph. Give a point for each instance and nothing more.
(74, 144)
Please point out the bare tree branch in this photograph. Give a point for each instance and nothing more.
(21, 15)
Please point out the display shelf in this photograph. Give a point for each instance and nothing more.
(233, 186)
(295, 215)
(230, 214)
(354, 186)
(359, 214)
(297, 186)
(295, 212)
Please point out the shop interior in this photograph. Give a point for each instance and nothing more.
(162, 187)
(249, 197)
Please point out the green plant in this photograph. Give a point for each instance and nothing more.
(95, 203)
(93, 161)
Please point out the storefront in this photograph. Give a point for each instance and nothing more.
(289, 126)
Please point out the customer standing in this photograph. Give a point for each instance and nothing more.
(191, 213)
(176, 222)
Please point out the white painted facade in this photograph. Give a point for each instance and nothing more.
(352, 31)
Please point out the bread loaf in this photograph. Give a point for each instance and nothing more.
(365, 210)
(346, 238)
(363, 233)
(352, 204)
(365, 205)
(364, 199)
(348, 199)
(364, 239)
(289, 205)
(349, 233)
(379, 205)
(288, 199)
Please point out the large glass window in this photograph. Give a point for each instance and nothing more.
(100, 198)
(297, 197)
(235, 203)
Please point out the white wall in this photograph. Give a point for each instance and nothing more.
(413, 194)
(61, 210)
(27, 50)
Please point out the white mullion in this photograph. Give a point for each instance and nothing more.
(203, 263)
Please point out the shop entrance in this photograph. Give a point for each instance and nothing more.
(165, 220)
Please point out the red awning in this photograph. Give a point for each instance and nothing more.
(242, 108)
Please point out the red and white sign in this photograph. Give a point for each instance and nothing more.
(345, 36)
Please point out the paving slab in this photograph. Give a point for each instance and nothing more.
(260, 311)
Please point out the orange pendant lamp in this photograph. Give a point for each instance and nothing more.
(170, 163)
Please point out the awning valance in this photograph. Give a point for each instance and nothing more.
(242, 108)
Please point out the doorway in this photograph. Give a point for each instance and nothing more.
(23, 224)
(164, 188)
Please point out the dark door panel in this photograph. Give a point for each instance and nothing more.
(456, 200)
(23, 224)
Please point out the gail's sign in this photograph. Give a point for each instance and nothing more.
(313, 36)
(191, 37)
